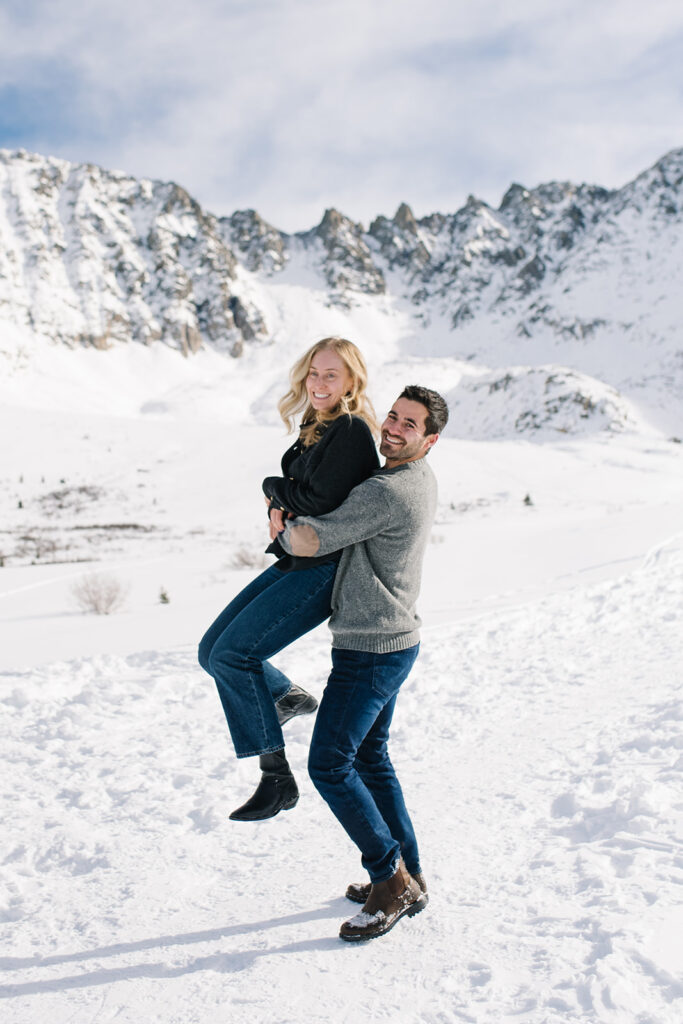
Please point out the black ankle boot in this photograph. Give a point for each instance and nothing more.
(295, 702)
(277, 790)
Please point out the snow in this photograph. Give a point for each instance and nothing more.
(539, 737)
(363, 920)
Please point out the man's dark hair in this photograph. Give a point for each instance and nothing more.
(437, 410)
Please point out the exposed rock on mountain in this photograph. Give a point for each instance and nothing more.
(579, 276)
(262, 246)
(547, 400)
(94, 257)
(347, 261)
(398, 241)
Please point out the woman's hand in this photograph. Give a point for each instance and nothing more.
(277, 522)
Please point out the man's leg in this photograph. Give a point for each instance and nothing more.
(360, 687)
(377, 772)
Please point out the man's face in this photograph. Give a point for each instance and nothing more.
(403, 433)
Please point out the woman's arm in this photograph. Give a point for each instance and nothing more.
(347, 458)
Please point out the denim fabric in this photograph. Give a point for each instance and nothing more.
(271, 612)
(349, 760)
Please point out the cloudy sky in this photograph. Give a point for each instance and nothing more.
(291, 106)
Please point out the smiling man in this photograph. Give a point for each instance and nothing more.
(383, 527)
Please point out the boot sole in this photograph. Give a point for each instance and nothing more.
(410, 911)
(266, 817)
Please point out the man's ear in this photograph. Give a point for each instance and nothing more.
(430, 441)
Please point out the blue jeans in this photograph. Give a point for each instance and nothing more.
(271, 612)
(349, 760)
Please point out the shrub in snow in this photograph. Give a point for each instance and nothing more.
(70, 499)
(246, 558)
(35, 546)
(99, 593)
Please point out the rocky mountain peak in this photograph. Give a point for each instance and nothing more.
(96, 257)
(515, 196)
(405, 220)
(333, 223)
(178, 200)
(660, 188)
(399, 241)
(347, 262)
(263, 247)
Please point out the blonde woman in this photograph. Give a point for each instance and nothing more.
(333, 453)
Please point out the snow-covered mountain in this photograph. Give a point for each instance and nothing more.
(143, 346)
(578, 280)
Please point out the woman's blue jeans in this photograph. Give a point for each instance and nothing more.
(271, 612)
(349, 760)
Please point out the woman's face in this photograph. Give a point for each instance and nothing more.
(327, 381)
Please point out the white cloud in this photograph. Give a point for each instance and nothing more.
(290, 106)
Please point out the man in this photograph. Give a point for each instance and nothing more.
(383, 527)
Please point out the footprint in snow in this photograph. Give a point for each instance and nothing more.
(205, 819)
(480, 974)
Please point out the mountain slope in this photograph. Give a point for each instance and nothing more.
(579, 277)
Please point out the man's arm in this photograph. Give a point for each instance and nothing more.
(365, 513)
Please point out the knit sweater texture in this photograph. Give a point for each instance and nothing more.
(383, 527)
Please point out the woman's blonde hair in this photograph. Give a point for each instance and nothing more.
(355, 402)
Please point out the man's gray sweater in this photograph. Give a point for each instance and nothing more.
(383, 527)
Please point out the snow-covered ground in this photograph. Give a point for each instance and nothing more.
(539, 738)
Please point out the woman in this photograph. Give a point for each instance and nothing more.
(334, 452)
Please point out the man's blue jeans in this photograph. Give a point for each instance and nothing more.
(271, 612)
(349, 760)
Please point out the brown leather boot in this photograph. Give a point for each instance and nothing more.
(358, 892)
(387, 903)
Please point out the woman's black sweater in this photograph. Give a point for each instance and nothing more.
(317, 479)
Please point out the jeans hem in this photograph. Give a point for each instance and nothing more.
(257, 753)
(385, 877)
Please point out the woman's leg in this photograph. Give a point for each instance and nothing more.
(279, 611)
(277, 681)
